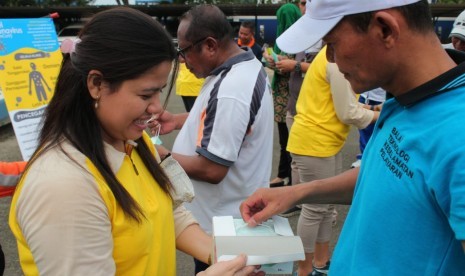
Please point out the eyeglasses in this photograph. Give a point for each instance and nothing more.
(182, 52)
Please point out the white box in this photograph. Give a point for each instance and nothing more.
(271, 244)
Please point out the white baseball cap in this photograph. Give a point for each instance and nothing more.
(459, 27)
(322, 15)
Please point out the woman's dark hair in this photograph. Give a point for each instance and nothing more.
(207, 21)
(417, 15)
(123, 44)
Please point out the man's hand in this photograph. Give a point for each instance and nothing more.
(165, 121)
(234, 267)
(378, 107)
(265, 203)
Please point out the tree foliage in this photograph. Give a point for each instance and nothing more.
(47, 3)
(188, 2)
(450, 1)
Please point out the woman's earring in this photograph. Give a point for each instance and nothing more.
(96, 102)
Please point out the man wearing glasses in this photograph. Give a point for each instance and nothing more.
(226, 141)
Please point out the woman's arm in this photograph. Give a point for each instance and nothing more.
(348, 109)
(190, 238)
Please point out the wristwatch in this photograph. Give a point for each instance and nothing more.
(298, 67)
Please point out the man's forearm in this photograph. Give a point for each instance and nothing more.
(200, 168)
(334, 190)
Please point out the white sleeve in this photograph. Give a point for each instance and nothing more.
(64, 220)
(347, 108)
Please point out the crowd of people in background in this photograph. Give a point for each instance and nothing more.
(102, 212)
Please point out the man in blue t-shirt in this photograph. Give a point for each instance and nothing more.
(408, 197)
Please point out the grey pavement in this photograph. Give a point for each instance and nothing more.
(9, 151)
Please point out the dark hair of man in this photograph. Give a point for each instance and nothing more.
(123, 44)
(207, 21)
(249, 25)
(417, 15)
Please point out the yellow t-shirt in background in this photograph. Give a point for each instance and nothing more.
(187, 84)
(317, 131)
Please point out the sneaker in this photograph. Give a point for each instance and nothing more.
(356, 164)
(291, 212)
(279, 182)
(276, 184)
(320, 271)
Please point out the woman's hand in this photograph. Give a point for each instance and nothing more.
(269, 60)
(234, 267)
(286, 65)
